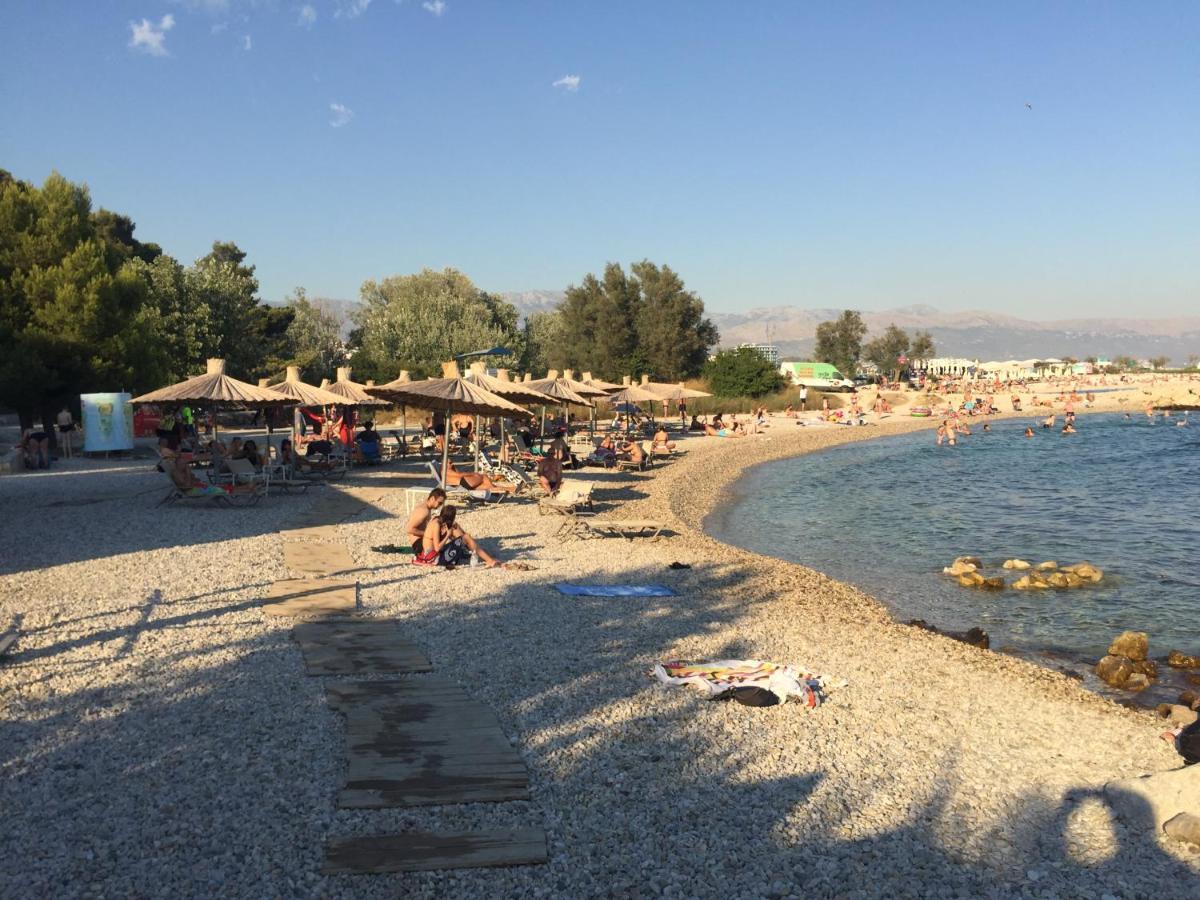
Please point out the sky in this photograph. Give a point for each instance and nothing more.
(1041, 159)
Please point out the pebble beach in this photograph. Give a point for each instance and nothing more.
(161, 737)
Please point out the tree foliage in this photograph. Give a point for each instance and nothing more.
(542, 340)
(744, 372)
(840, 341)
(416, 322)
(642, 322)
(885, 351)
(922, 346)
(313, 337)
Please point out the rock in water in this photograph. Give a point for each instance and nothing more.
(1058, 579)
(977, 637)
(995, 583)
(1132, 644)
(1086, 571)
(958, 567)
(1048, 566)
(969, 561)
(1115, 670)
(1018, 564)
(1176, 659)
(1179, 715)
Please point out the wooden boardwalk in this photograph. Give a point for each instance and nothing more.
(367, 647)
(420, 851)
(421, 742)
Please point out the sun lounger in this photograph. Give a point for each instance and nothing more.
(459, 492)
(626, 528)
(572, 497)
(525, 483)
(217, 497)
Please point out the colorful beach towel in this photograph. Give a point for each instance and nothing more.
(718, 678)
(615, 590)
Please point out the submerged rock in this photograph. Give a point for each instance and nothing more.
(1019, 564)
(1132, 644)
(1048, 566)
(976, 637)
(958, 567)
(1176, 659)
(1031, 582)
(1085, 571)
(995, 583)
(969, 561)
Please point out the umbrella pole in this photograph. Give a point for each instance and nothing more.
(542, 429)
(446, 447)
(476, 443)
(403, 430)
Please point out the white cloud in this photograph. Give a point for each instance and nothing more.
(246, 42)
(219, 27)
(342, 114)
(308, 15)
(351, 9)
(567, 83)
(151, 38)
(437, 7)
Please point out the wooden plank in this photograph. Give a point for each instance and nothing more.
(301, 597)
(423, 851)
(423, 741)
(370, 647)
(7, 640)
(317, 557)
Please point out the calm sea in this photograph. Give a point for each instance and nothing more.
(887, 515)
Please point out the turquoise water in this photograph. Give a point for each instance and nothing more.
(887, 515)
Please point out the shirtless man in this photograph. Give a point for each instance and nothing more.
(414, 529)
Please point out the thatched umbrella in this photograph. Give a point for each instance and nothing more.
(451, 393)
(304, 394)
(666, 391)
(558, 389)
(606, 386)
(631, 395)
(501, 384)
(351, 392)
(214, 389)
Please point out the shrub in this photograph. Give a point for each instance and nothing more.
(742, 373)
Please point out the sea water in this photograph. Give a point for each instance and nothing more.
(888, 515)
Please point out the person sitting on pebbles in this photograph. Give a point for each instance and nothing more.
(662, 444)
(446, 544)
(419, 518)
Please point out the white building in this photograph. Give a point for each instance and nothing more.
(770, 351)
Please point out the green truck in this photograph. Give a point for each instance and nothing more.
(818, 375)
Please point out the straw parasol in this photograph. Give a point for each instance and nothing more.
(501, 384)
(351, 392)
(606, 386)
(582, 388)
(306, 394)
(215, 389)
(451, 393)
(558, 389)
(666, 391)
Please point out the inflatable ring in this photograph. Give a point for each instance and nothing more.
(921, 412)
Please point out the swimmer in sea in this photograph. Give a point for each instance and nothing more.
(987, 426)
(1028, 432)
(1068, 429)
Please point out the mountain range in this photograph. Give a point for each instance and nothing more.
(975, 334)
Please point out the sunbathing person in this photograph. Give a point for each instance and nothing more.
(418, 519)
(720, 432)
(550, 473)
(475, 481)
(185, 479)
(446, 544)
(249, 452)
(661, 442)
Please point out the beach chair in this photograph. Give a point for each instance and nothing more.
(223, 498)
(574, 498)
(461, 493)
(626, 528)
(526, 484)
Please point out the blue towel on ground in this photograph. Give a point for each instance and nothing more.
(615, 590)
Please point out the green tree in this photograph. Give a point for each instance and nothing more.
(314, 337)
(886, 350)
(185, 322)
(416, 322)
(840, 341)
(1122, 363)
(744, 372)
(1160, 362)
(673, 336)
(646, 321)
(72, 317)
(922, 346)
(542, 340)
(238, 327)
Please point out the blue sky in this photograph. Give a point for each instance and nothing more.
(863, 155)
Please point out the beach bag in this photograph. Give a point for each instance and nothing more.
(454, 553)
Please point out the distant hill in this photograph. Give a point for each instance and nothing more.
(975, 334)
